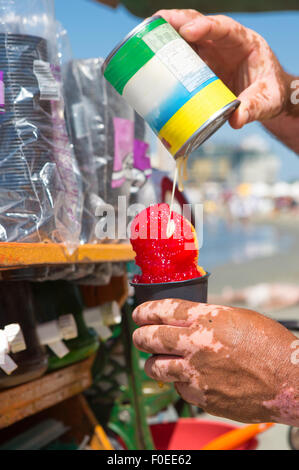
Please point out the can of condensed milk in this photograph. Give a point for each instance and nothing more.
(169, 85)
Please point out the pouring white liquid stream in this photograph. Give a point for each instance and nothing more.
(180, 175)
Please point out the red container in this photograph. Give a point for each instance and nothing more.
(192, 434)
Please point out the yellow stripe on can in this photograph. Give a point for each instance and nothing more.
(193, 114)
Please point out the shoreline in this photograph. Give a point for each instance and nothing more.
(278, 268)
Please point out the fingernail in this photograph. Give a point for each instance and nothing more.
(187, 27)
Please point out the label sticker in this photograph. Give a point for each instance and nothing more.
(142, 161)
(68, 326)
(178, 57)
(80, 125)
(123, 151)
(48, 86)
(160, 36)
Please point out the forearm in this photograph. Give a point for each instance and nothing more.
(285, 126)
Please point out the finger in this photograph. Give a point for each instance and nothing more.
(173, 312)
(195, 27)
(218, 28)
(166, 369)
(162, 339)
(259, 101)
(177, 18)
(240, 117)
(191, 393)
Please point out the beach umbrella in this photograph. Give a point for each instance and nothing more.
(145, 8)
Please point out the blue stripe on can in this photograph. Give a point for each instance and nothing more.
(179, 96)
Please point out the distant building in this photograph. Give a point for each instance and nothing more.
(251, 162)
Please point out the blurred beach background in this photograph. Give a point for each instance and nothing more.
(247, 180)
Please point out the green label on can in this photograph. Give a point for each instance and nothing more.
(133, 55)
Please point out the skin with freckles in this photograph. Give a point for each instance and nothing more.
(247, 65)
(229, 361)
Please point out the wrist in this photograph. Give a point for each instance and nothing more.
(284, 126)
(284, 407)
(291, 107)
(290, 99)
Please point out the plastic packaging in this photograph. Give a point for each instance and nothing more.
(16, 306)
(85, 108)
(94, 273)
(40, 188)
(142, 169)
(118, 269)
(120, 135)
(39, 274)
(100, 275)
(95, 103)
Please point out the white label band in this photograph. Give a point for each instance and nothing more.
(48, 86)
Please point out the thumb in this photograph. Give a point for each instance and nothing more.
(241, 116)
(258, 102)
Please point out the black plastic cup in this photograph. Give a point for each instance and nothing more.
(195, 290)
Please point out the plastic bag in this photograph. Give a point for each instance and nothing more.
(40, 185)
(33, 17)
(120, 136)
(118, 269)
(85, 97)
(72, 272)
(142, 169)
(100, 276)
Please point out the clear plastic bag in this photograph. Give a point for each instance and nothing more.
(142, 168)
(120, 136)
(85, 97)
(100, 276)
(29, 17)
(118, 269)
(40, 184)
(72, 272)
(78, 271)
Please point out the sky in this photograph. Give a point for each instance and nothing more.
(95, 29)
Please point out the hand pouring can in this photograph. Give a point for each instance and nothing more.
(169, 85)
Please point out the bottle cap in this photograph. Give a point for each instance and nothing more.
(111, 313)
(6, 362)
(15, 338)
